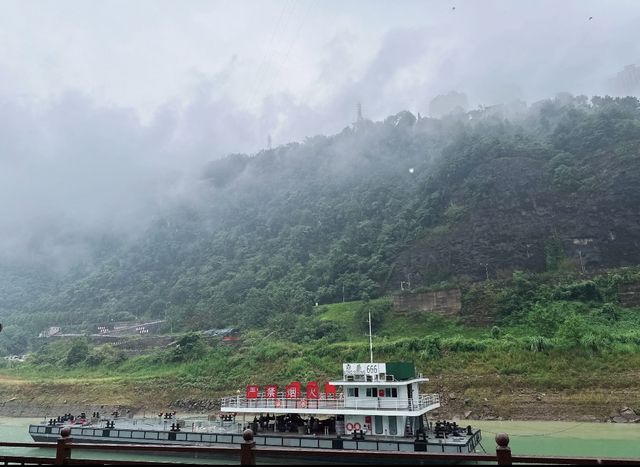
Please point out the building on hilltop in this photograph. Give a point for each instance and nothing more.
(51, 331)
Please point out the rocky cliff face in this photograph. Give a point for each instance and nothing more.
(517, 210)
(629, 295)
(444, 302)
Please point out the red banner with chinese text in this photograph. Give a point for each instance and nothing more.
(313, 391)
(271, 391)
(329, 389)
(292, 391)
(252, 391)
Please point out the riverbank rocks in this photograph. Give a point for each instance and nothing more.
(195, 404)
(18, 408)
(625, 415)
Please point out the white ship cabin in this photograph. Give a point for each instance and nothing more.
(387, 397)
(377, 398)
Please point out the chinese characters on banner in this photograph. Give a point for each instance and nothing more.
(271, 391)
(252, 391)
(292, 391)
(330, 390)
(313, 391)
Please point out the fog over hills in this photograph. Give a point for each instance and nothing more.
(109, 113)
(117, 122)
(262, 238)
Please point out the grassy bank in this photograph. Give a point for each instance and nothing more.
(565, 349)
(488, 384)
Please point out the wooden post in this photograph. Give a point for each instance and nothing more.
(503, 451)
(63, 452)
(248, 449)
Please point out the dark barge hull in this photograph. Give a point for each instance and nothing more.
(466, 444)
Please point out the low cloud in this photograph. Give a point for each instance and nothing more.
(73, 164)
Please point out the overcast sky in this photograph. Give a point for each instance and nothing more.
(102, 102)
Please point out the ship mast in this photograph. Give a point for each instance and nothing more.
(370, 339)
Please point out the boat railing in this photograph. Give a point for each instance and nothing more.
(249, 452)
(424, 401)
(428, 401)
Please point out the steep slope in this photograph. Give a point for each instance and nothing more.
(518, 199)
(350, 216)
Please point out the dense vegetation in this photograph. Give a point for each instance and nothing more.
(536, 313)
(348, 217)
(557, 334)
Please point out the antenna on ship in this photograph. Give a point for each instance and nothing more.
(370, 339)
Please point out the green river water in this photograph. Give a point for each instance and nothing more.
(542, 438)
(565, 438)
(17, 430)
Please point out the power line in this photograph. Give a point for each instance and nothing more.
(280, 25)
(267, 47)
(292, 42)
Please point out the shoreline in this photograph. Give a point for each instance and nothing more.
(22, 410)
(459, 400)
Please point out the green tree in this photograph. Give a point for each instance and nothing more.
(105, 355)
(554, 252)
(78, 352)
(573, 328)
(379, 310)
(189, 347)
(545, 319)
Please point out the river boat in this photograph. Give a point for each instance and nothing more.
(379, 408)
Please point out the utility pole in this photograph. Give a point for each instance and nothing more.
(359, 117)
(370, 339)
(342, 293)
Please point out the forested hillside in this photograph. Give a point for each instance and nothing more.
(347, 217)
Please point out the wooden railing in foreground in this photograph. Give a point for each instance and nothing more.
(247, 452)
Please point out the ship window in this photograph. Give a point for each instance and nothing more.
(372, 392)
(391, 392)
(353, 392)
